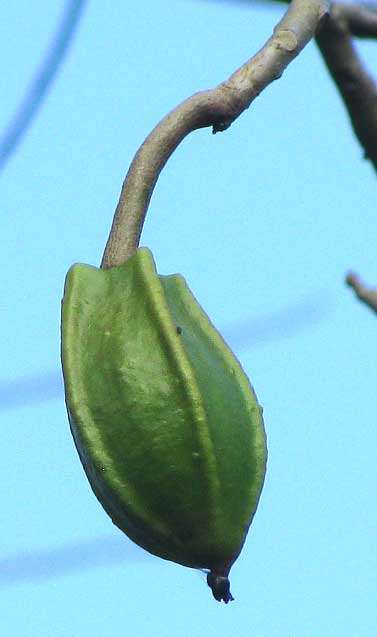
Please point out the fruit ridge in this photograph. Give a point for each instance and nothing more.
(166, 423)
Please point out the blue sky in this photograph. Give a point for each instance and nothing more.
(263, 221)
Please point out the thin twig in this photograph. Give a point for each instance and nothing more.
(218, 108)
(357, 88)
(42, 81)
(366, 294)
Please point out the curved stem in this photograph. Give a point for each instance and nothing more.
(218, 108)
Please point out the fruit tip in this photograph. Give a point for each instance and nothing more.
(220, 587)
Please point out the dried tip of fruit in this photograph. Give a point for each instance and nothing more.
(220, 587)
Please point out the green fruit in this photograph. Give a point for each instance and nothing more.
(166, 424)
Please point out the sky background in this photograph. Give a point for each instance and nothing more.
(263, 220)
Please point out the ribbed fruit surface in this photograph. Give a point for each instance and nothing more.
(165, 421)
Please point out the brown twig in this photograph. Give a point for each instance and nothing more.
(357, 88)
(366, 294)
(218, 108)
(361, 19)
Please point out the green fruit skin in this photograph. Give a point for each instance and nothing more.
(165, 421)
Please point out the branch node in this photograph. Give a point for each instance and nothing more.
(286, 39)
(219, 127)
